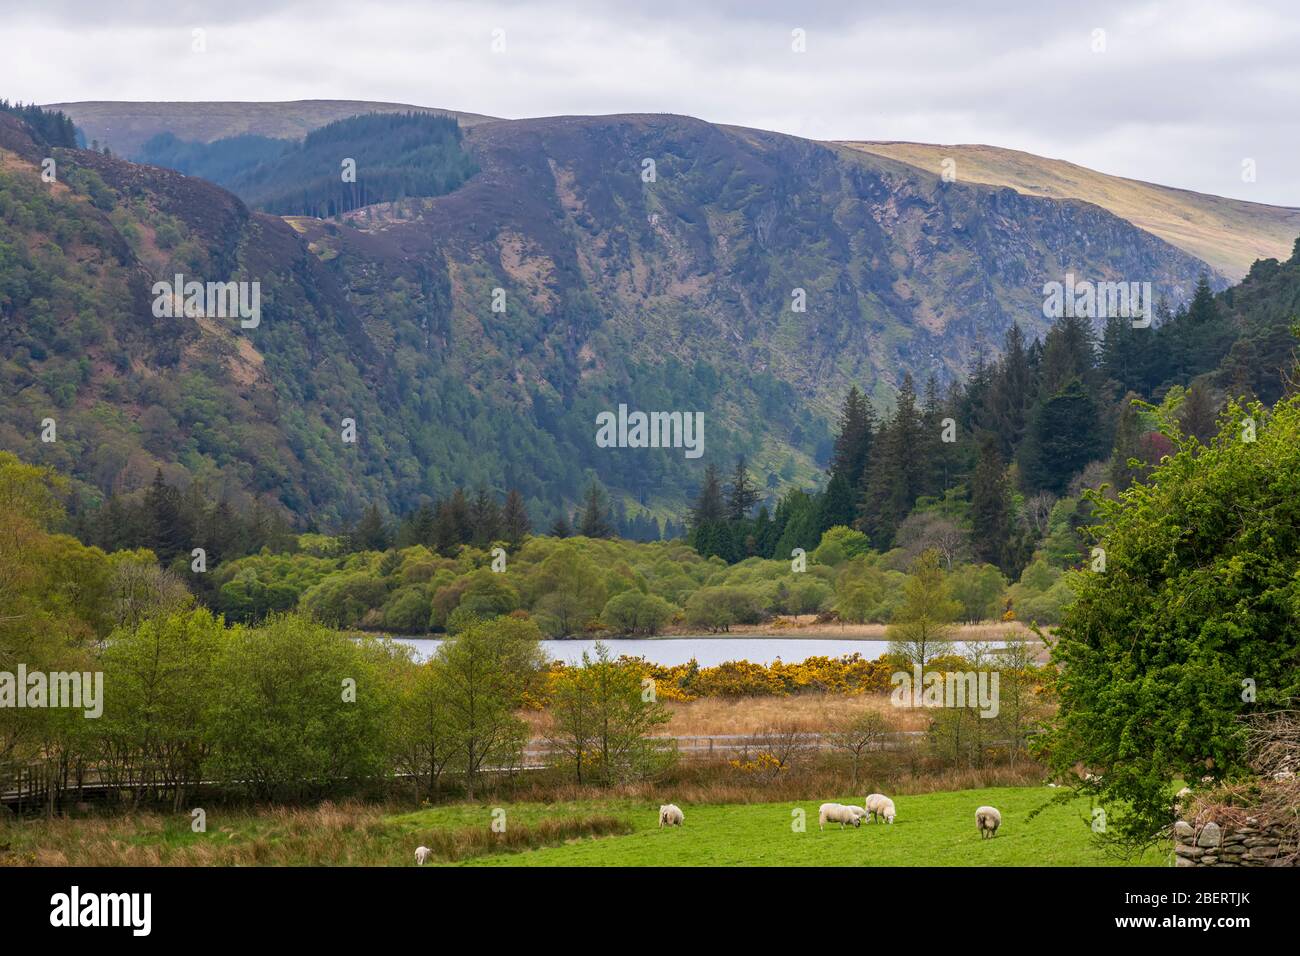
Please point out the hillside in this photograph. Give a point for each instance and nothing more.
(1229, 234)
(672, 294)
(124, 127)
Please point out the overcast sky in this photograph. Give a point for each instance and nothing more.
(1180, 93)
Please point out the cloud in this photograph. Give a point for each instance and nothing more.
(1180, 93)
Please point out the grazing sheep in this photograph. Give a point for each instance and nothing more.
(422, 854)
(988, 820)
(1185, 792)
(856, 810)
(837, 813)
(670, 815)
(880, 807)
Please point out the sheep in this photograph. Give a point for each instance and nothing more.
(856, 810)
(1283, 776)
(837, 813)
(670, 815)
(1185, 792)
(422, 854)
(880, 807)
(988, 820)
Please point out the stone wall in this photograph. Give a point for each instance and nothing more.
(1211, 845)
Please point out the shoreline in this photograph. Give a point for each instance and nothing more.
(801, 627)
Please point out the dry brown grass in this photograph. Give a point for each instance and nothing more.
(344, 834)
(810, 713)
(701, 782)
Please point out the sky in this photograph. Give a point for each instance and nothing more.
(1199, 95)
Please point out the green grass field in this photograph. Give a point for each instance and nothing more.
(933, 829)
(936, 829)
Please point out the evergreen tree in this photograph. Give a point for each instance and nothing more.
(853, 443)
(990, 506)
(514, 518)
(370, 534)
(595, 521)
(709, 504)
(1065, 436)
(485, 518)
(742, 495)
(169, 532)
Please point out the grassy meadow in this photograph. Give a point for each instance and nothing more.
(932, 829)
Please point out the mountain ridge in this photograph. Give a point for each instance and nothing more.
(674, 293)
(1227, 234)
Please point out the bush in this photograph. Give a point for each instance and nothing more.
(632, 612)
(407, 611)
(717, 608)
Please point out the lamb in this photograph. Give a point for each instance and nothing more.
(670, 815)
(988, 820)
(838, 813)
(422, 854)
(880, 807)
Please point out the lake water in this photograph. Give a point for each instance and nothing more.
(709, 651)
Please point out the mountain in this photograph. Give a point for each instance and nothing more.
(475, 336)
(1228, 234)
(125, 127)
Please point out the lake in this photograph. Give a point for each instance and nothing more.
(709, 651)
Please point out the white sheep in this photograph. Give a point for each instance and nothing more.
(422, 854)
(1185, 792)
(1283, 776)
(880, 807)
(856, 810)
(837, 813)
(988, 820)
(670, 815)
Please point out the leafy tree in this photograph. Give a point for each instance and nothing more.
(632, 612)
(1192, 625)
(921, 628)
(481, 675)
(602, 718)
(282, 725)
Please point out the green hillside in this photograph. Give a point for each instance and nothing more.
(671, 292)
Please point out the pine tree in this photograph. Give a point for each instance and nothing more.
(990, 505)
(485, 518)
(169, 534)
(742, 495)
(1010, 392)
(709, 504)
(853, 443)
(514, 518)
(560, 527)
(595, 522)
(1065, 436)
(370, 534)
